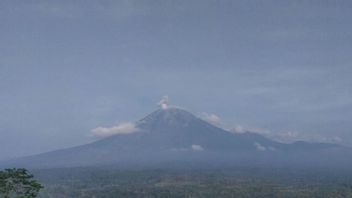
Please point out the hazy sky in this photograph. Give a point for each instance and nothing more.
(279, 67)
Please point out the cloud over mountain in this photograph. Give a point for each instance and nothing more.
(211, 118)
(122, 128)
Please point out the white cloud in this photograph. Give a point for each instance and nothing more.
(259, 130)
(164, 102)
(197, 147)
(123, 128)
(259, 147)
(211, 118)
(238, 129)
(287, 136)
(292, 136)
(242, 129)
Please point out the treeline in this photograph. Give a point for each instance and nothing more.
(85, 182)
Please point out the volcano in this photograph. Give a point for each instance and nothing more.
(176, 136)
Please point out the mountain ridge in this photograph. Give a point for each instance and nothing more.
(172, 134)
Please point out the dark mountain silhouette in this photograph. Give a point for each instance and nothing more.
(175, 136)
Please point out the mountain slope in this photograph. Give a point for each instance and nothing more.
(173, 135)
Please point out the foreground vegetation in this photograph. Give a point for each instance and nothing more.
(109, 182)
(18, 183)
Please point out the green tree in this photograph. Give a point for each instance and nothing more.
(18, 183)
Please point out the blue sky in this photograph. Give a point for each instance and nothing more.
(282, 68)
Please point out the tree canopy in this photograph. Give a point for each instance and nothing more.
(18, 183)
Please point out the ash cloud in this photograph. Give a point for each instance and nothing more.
(164, 102)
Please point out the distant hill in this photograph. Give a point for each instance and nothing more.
(175, 137)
